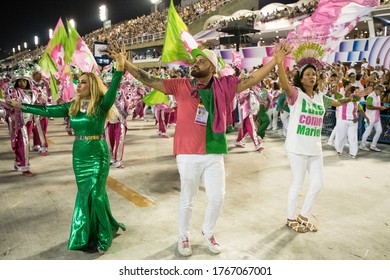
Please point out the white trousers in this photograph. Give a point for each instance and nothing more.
(194, 169)
(285, 118)
(378, 130)
(299, 165)
(332, 136)
(346, 130)
(273, 116)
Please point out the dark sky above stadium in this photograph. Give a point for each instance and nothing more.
(26, 19)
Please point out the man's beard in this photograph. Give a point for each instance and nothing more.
(196, 73)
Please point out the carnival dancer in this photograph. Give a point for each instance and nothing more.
(4, 82)
(335, 94)
(249, 107)
(148, 90)
(284, 112)
(42, 89)
(303, 141)
(116, 126)
(373, 108)
(172, 115)
(137, 91)
(204, 103)
(93, 226)
(21, 123)
(263, 120)
(347, 124)
(273, 93)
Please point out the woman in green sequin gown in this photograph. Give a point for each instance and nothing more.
(93, 225)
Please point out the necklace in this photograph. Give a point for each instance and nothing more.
(84, 105)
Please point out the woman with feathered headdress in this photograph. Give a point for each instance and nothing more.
(303, 141)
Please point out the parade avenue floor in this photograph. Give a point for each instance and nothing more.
(352, 211)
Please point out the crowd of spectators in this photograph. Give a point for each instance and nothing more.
(151, 27)
(153, 24)
(303, 10)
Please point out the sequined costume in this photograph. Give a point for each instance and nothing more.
(43, 92)
(116, 129)
(93, 223)
(20, 125)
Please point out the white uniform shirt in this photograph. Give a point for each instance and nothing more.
(306, 118)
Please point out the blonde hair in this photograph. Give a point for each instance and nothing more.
(97, 90)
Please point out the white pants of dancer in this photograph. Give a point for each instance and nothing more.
(378, 130)
(332, 136)
(346, 130)
(299, 165)
(285, 117)
(273, 116)
(193, 169)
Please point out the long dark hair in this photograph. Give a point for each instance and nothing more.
(298, 76)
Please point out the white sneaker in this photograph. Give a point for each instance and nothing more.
(239, 144)
(36, 148)
(259, 148)
(184, 246)
(331, 144)
(352, 156)
(375, 149)
(212, 243)
(364, 148)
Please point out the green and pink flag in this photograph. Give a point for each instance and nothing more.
(178, 41)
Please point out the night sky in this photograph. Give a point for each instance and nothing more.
(26, 19)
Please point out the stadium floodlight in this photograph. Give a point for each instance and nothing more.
(155, 4)
(72, 23)
(103, 13)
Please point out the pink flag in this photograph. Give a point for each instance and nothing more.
(82, 57)
(236, 59)
(332, 21)
(68, 88)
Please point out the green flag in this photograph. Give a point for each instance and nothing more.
(47, 63)
(178, 41)
(71, 43)
(155, 97)
(53, 87)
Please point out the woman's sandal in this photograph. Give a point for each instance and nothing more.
(296, 226)
(309, 226)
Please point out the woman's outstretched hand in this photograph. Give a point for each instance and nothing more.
(281, 50)
(118, 54)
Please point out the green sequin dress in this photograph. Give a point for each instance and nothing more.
(93, 224)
